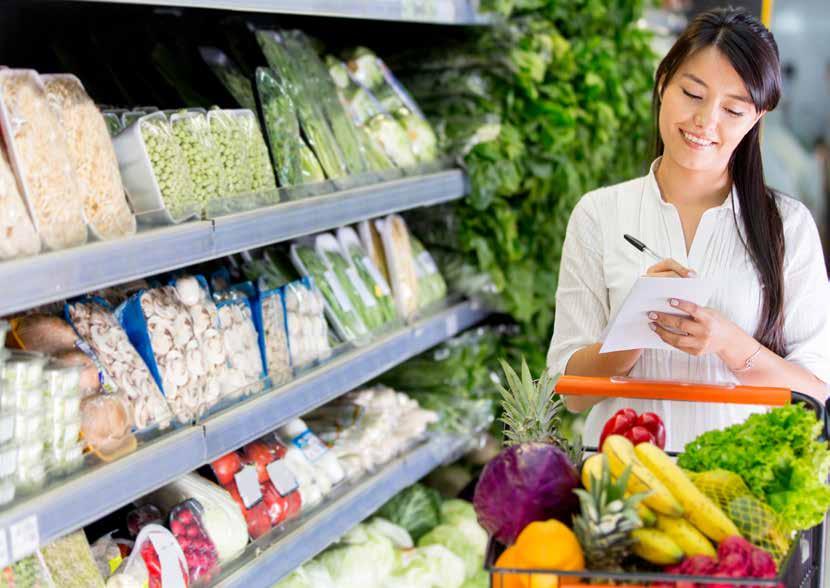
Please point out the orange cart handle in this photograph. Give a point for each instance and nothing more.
(619, 387)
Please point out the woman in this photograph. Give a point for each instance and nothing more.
(705, 207)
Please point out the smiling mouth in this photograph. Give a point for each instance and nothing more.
(695, 141)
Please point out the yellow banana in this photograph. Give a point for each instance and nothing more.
(656, 547)
(593, 467)
(620, 454)
(699, 509)
(687, 537)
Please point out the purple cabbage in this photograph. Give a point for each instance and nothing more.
(525, 483)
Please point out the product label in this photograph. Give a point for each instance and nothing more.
(311, 446)
(25, 537)
(337, 290)
(361, 288)
(4, 549)
(283, 479)
(168, 552)
(378, 279)
(248, 485)
(425, 261)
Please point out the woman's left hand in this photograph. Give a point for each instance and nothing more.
(705, 331)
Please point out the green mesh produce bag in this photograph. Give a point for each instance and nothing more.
(756, 521)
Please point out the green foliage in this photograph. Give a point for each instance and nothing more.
(566, 85)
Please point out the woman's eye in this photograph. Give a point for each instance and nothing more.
(692, 96)
(734, 113)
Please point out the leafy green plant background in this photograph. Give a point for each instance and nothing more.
(566, 85)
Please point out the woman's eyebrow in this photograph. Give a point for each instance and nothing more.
(742, 98)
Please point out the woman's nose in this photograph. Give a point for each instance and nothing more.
(706, 116)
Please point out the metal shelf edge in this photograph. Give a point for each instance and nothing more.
(58, 275)
(447, 12)
(323, 527)
(84, 499)
(243, 423)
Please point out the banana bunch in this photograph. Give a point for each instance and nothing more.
(680, 520)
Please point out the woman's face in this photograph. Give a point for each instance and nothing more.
(705, 112)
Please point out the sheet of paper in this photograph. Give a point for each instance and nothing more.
(629, 328)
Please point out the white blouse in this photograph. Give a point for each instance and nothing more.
(598, 269)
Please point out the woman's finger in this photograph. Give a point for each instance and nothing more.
(672, 266)
(677, 323)
(676, 341)
(688, 307)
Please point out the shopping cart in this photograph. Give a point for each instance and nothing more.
(802, 567)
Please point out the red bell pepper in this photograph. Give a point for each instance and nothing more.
(644, 428)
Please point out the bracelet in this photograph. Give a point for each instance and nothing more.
(748, 362)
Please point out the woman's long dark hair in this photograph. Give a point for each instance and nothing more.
(752, 51)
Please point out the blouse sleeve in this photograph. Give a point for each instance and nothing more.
(582, 305)
(806, 296)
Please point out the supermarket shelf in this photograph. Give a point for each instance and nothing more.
(58, 275)
(87, 497)
(264, 565)
(91, 494)
(246, 422)
(452, 12)
(237, 232)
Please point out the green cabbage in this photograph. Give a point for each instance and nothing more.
(456, 541)
(417, 509)
(433, 566)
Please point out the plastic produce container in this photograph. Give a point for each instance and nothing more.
(92, 156)
(164, 198)
(38, 154)
(20, 238)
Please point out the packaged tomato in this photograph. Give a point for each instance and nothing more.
(256, 516)
(279, 485)
(226, 467)
(199, 551)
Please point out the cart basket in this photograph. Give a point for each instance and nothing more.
(800, 568)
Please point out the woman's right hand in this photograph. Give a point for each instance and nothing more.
(669, 268)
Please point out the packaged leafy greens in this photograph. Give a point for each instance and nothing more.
(234, 80)
(320, 85)
(361, 298)
(312, 118)
(354, 252)
(431, 285)
(294, 161)
(342, 314)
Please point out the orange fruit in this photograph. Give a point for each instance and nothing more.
(510, 559)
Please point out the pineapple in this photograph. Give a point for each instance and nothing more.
(532, 411)
(607, 519)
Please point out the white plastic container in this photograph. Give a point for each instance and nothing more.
(37, 151)
(314, 450)
(139, 178)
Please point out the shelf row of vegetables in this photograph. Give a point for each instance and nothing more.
(731, 506)
(187, 532)
(100, 372)
(326, 125)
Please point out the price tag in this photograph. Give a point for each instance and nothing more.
(248, 485)
(169, 552)
(24, 537)
(283, 479)
(337, 290)
(361, 288)
(375, 274)
(310, 445)
(4, 549)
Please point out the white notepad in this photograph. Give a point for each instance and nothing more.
(629, 328)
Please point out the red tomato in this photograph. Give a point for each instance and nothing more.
(259, 454)
(277, 505)
(226, 466)
(257, 517)
(295, 504)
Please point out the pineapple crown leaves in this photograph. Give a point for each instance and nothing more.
(605, 492)
(531, 409)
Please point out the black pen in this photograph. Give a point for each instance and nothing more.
(640, 246)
